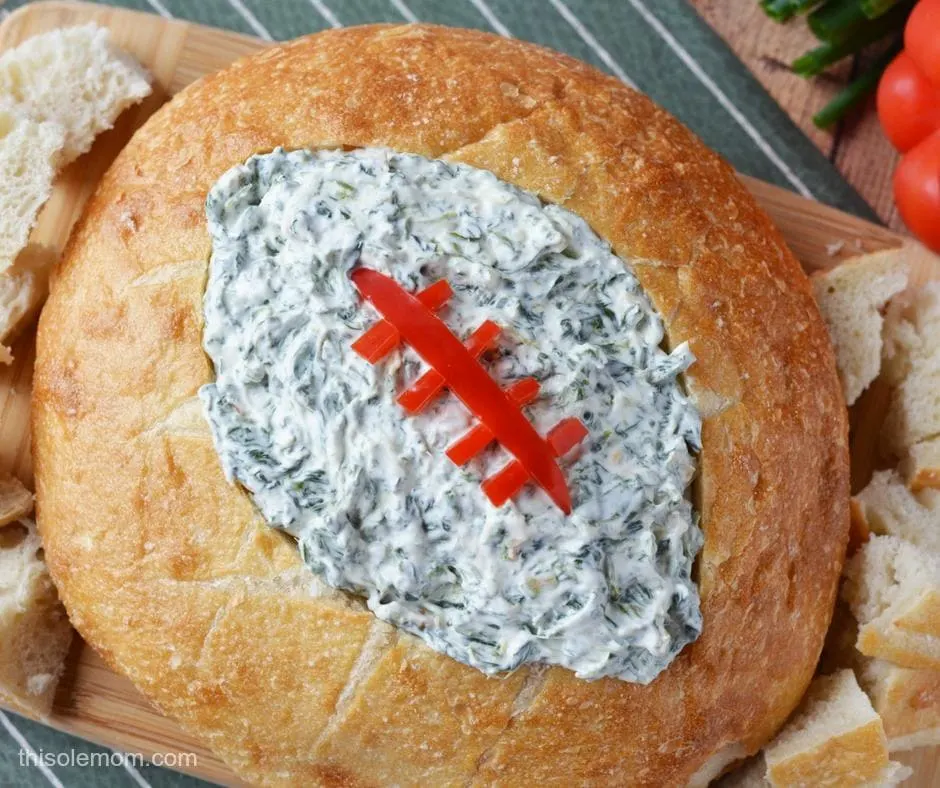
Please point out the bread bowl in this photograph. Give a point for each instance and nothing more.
(172, 574)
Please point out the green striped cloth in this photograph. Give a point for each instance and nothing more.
(661, 46)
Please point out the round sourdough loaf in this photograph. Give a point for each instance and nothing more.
(172, 575)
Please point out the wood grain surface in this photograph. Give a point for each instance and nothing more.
(92, 701)
(856, 146)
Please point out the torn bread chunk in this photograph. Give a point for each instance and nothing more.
(75, 78)
(850, 298)
(28, 154)
(35, 633)
(15, 500)
(921, 465)
(912, 367)
(907, 700)
(58, 91)
(893, 590)
(887, 507)
(22, 290)
(835, 739)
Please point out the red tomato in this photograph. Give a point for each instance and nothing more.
(917, 190)
(922, 38)
(908, 103)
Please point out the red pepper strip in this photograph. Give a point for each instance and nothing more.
(383, 337)
(478, 437)
(509, 479)
(505, 483)
(432, 382)
(565, 435)
(466, 378)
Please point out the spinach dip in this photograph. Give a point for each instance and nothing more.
(315, 435)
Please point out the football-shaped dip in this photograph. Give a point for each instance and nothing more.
(598, 581)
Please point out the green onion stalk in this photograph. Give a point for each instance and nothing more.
(844, 28)
(856, 91)
(783, 10)
(829, 52)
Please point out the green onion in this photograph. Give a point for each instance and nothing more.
(856, 91)
(816, 60)
(845, 27)
(875, 8)
(837, 20)
(782, 10)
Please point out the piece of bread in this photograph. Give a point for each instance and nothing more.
(753, 774)
(23, 288)
(912, 366)
(58, 91)
(893, 774)
(170, 571)
(29, 151)
(35, 633)
(75, 78)
(893, 590)
(887, 507)
(851, 297)
(835, 739)
(15, 500)
(907, 700)
(921, 465)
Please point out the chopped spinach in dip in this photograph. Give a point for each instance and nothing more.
(314, 433)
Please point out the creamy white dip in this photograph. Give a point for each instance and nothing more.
(314, 433)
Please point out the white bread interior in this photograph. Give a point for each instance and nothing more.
(73, 77)
(921, 465)
(835, 739)
(888, 507)
(912, 366)
(907, 700)
(23, 288)
(851, 297)
(893, 590)
(35, 633)
(58, 91)
(29, 151)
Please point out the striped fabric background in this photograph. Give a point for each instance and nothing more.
(660, 46)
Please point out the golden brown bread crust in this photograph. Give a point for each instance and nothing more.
(174, 577)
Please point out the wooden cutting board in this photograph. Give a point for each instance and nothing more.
(95, 703)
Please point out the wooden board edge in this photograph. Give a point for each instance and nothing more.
(801, 220)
